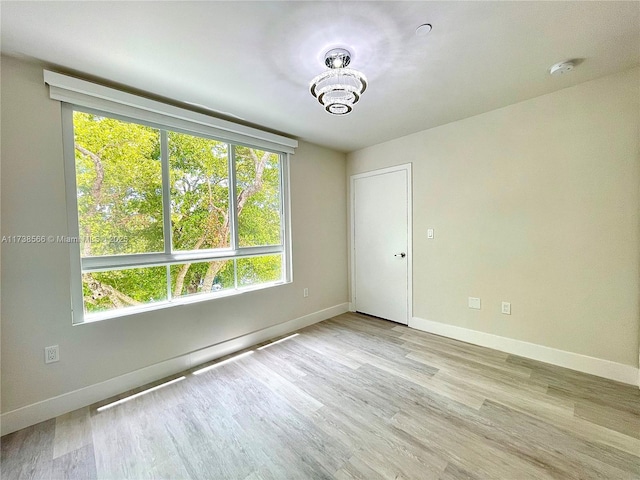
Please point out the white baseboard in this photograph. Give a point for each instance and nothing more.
(67, 402)
(574, 361)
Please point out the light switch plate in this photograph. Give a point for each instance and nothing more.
(506, 308)
(429, 232)
(474, 303)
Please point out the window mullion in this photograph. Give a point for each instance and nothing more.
(166, 191)
(233, 206)
(235, 273)
(117, 262)
(166, 203)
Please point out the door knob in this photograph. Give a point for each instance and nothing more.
(400, 255)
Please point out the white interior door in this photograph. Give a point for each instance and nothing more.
(381, 243)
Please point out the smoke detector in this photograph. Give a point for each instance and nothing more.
(561, 68)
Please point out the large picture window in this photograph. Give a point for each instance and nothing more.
(167, 216)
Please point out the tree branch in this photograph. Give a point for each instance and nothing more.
(96, 192)
(256, 185)
(101, 290)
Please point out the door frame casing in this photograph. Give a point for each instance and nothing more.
(406, 167)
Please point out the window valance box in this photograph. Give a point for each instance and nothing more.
(92, 95)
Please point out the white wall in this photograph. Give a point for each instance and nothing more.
(35, 278)
(536, 204)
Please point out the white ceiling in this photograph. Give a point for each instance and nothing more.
(254, 60)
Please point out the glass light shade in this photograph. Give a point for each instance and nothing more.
(338, 89)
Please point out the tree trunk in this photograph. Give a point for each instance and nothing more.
(96, 194)
(245, 195)
(210, 276)
(101, 290)
(182, 273)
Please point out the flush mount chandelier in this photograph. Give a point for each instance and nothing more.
(339, 88)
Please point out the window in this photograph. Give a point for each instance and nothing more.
(164, 210)
(166, 215)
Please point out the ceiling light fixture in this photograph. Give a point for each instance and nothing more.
(339, 88)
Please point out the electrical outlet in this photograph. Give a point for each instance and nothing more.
(305, 293)
(474, 303)
(506, 308)
(51, 354)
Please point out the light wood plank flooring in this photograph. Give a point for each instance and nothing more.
(353, 397)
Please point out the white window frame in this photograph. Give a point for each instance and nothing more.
(80, 95)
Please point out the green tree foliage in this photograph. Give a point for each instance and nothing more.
(119, 187)
(119, 182)
(259, 220)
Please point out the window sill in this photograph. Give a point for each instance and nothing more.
(196, 298)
